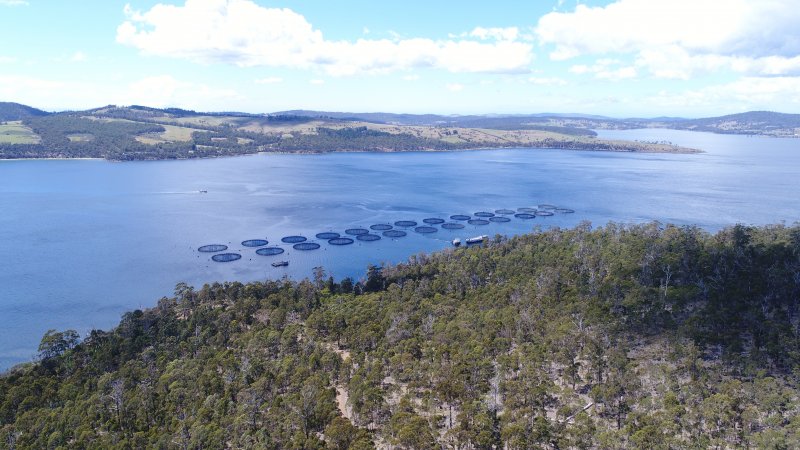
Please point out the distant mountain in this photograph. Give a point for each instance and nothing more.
(752, 122)
(16, 111)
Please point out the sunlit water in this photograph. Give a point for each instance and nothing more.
(84, 241)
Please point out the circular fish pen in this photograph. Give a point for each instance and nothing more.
(255, 242)
(525, 216)
(226, 257)
(212, 248)
(544, 213)
(504, 211)
(380, 227)
(499, 219)
(341, 241)
(306, 246)
(269, 251)
(293, 239)
(547, 206)
(405, 223)
(356, 231)
(478, 222)
(452, 226)
(564, 210)
(527, 210)
(327, 235)
(433, 221)
(368, 237)
(460, 217)
(425, 230)
(394, 233)
(483, 214)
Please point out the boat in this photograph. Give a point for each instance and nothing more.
(280, 264)
(203, 191)
(477, 239)
(456, 242)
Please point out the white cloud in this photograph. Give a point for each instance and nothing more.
(245, 34)
(412, 77)
(454, 87)
(747, 93)
(316, 81)
(78, 57)
(547, 81)
(164, 91)
(7, 59)
(675, 38)
(504, 34)
(13, 3)
(269, 80)
(606, 69)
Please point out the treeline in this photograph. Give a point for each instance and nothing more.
(359, 139)
(642, 336)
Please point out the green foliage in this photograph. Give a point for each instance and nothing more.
(641, 336)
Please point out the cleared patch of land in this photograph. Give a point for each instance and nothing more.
(171, 133)
(17, 133)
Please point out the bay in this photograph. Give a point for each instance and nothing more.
(84, 241)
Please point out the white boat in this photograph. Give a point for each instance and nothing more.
(456, 242)
(280, 264)
(477, 239)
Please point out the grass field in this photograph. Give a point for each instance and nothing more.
(171, 133)
(17, 133)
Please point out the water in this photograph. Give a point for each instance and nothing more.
(85, 241)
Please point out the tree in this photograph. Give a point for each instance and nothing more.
(55, 343)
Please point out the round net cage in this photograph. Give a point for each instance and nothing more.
(212, 248)
(478, 222)
(255, 242)
(564, 210)
(483, 214)
(380, 227)
(405, 223)
(269, 251)
(327, 235)
(544, 213)
(341, 241)
(368, 237)
(306, 246)
(433, 221)
(547, 206)
(460, 217)
(504, 211)
(226, 257)
(356, 231)
(293, 239)
(525, 216)
(527, 210)
(394, 233)
(425, 230)
(452, 226)
(499, 219)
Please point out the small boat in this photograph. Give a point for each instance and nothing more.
(456, 242)
(477, 239)
(203, 191)
(280, 264)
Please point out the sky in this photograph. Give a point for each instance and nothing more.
(622, 58)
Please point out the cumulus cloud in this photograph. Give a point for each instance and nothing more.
(745, 93)
(242, 33)
(675, 38)
(606, 69)
(547, 81)
(13, 3)
(164, 91)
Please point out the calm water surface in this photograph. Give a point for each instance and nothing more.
(85, 241)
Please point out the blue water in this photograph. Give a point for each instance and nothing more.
(85, 241)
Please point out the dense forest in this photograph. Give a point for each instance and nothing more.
(643, 336)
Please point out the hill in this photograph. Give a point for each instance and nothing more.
(639, 336)
(139, 132)
(15, 111)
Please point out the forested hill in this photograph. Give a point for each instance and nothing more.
(16, 111)
(621, 337)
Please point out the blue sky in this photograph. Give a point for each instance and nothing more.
(620, 58)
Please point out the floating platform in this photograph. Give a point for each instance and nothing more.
(212, 248)
(425, 230)
(226, 257)
(394, 233)
(269, 251)
(293, 239)
(452, 226)
(368, 237)
(327, 235)
(340, 241)
(380, 227)
(405, 223)
(356, 231)
(306, 246)
(255, 242)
